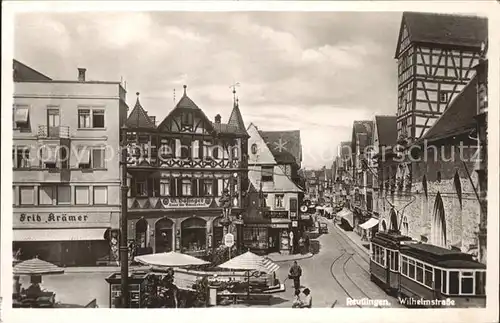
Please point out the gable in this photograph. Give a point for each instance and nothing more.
(403, 40)
(186, 117)
(258, 151)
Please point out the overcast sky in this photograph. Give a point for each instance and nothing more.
(316, 72)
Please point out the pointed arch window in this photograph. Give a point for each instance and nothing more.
(404, 226)
(438, 229)
(394, 220)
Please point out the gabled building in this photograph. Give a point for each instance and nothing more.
(180, 174)
(273, 163)
(66, 179)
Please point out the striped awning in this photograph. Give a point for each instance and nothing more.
(251, 262)
(36, 266)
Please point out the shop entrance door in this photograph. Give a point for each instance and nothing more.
(274, 240)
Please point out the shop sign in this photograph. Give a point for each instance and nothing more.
(186, 202)
(59, 219)
(279, 225)
(305, 216)
(277, 214)
(229, 240)
(293, 215)
(295, 224)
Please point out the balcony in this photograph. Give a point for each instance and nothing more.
(46, 132)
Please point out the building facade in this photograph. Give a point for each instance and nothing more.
(272, 169)
(66, 180)
(182, 174)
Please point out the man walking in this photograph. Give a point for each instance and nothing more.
(295, 273)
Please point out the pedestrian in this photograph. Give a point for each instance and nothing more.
(297, 303)
(307, 244)
(301, 245)
(307, 302)
(295, 273)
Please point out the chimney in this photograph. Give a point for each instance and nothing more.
(81, 74)
(153, 119)
(217, 118)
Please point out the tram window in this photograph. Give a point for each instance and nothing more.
(453, 283)
(480, 283)
(444, 287)
(428, 276)
(404, 266)
(467, 283)
(420, 272)
(437, 276)
(411, 268)
(382, 257)
(396, 261)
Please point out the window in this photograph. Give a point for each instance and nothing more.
(53, 122)
(98, 158)
(100, 195)
(411, 268)
(98, 118)
(254, 149)
(420, 272)
(13, 195)
(428, 276)
(21, 157)
(438, 278)
(444, 286)
(453, 283)
(467, 282)
(480, 283)
(48, 156)
(208, 186)
(279, 201)
(267, 173)
(186, 187)
(84, 118)
(187, 119)
(404, 266)
(82, 195)
(141, 187)
(26, 195)
(63, 195)
(185, 148)
(21, 117)
(164, 187)
(46, 195)
(83, 158)
(443, 96)
(405, 227)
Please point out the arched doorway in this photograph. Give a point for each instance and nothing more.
(384, 226)
(163, 235)
(394, 220)
(438, 229)
(193, 235)
(141, 233)
(218, 233)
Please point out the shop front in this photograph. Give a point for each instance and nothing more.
(270, 237)
(66, 238)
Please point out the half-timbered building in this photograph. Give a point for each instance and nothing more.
(436, 55)
(180, 170)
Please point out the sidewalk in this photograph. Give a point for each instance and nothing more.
(354, 238)
(277, 257)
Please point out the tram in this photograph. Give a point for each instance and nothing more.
(429, 274)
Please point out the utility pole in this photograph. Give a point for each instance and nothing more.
(123, 223)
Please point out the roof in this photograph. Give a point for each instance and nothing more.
(432, 252)
(235, 119)
(445, 29)
(223, 128)
(362, 127)
(387, 130)
(284, 145)
(139, 118)
(24, 73)
(458, 118)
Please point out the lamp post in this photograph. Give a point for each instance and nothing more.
(123, 223)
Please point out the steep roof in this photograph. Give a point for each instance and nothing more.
(138, 118)
(224, 128)
(445, 29)
(284, 145)
(361, 127)
(387, 130)
(458, 118)
(24, 73)
(235, 119)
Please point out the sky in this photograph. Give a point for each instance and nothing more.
(315, 72)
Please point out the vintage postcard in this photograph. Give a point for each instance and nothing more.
(327, 160)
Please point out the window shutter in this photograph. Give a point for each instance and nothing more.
(172, 187)
(179, 186)
(194, 189)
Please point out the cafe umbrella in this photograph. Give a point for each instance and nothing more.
(170, 259)
(36, 267)
(252, 264)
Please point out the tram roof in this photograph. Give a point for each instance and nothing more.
(390, 239)
(439, 256)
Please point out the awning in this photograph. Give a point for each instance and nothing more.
(84, 155)
(59, 234)
(21, 114)
(369, 224)
(250, 261)
(347, 215)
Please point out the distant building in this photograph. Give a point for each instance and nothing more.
(66, 179)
